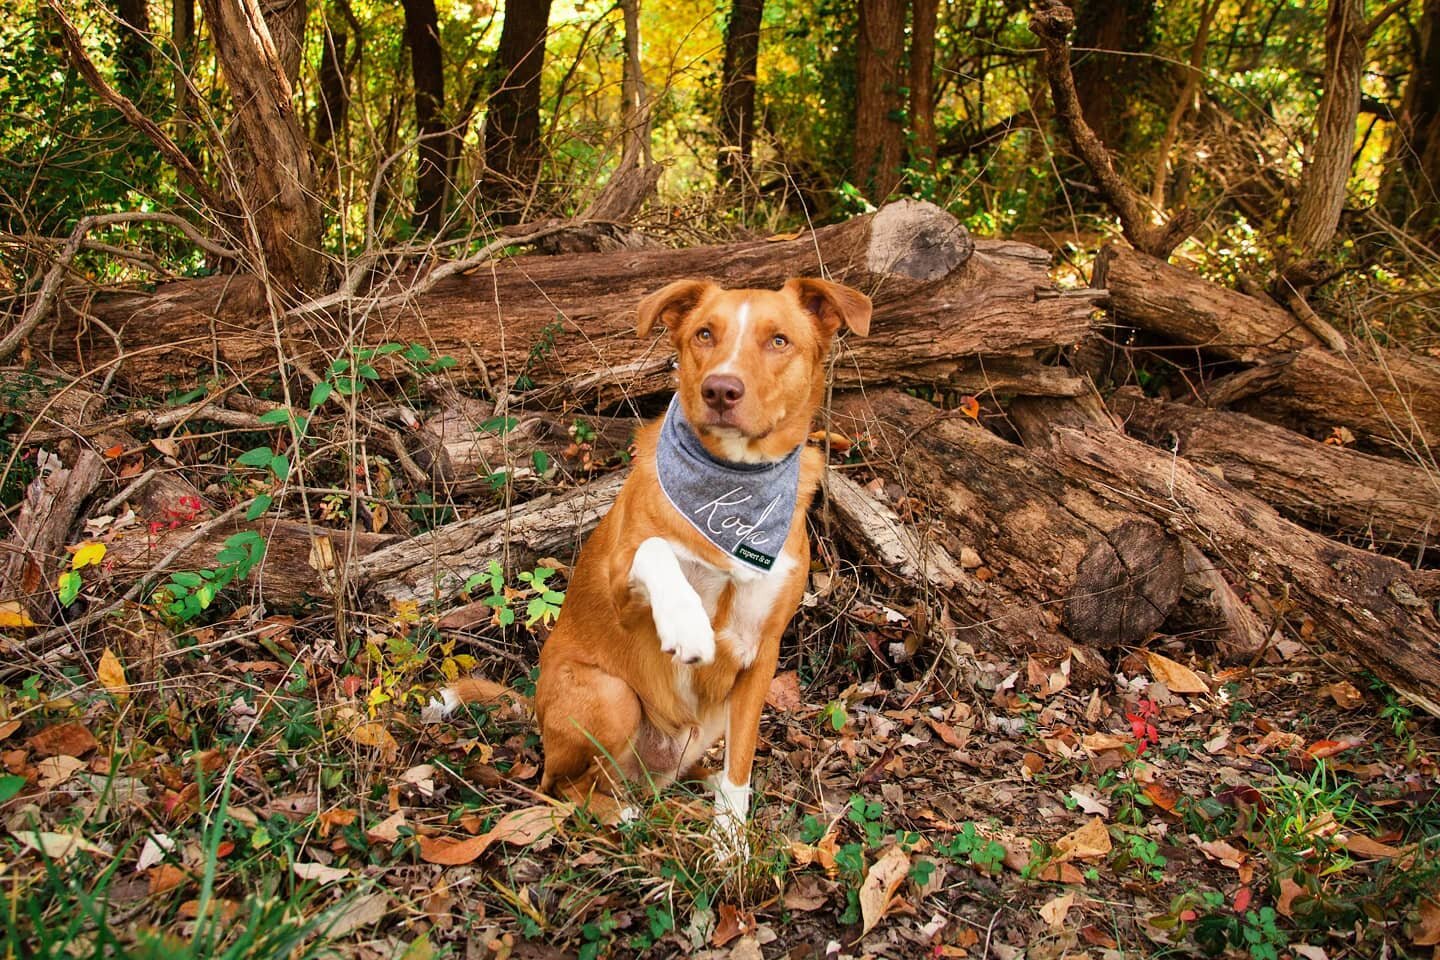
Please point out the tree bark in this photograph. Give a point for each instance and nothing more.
(427, 69)
(1182, 307)
(333, 100)
(737, 94)
(1371, 608)
(1103, 575)
(879, 133)
(277, 184)
(512, 122)
(939, 310)
(34, 557)
(923, 17)
(1410, 189)
(1373, 501)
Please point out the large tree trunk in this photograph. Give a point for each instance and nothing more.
(1410, 189)
(1371, 608)
(879, 134)
(1107, 77)
(1373, 501)
(332, 105)
(427, 68)
(737, 93)
(922, 79)
(277, 183)
(512, 121)
(1327, 164)
(940, 311)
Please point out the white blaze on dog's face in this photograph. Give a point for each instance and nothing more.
(752, 361)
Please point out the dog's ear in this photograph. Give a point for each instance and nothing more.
(670, 304)
(832, 304)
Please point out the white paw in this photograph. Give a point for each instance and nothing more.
(685, 631)
(732, 812)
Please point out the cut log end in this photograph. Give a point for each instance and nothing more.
(917, 240)
(1126, 586)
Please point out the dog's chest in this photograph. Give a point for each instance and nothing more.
(753, 600)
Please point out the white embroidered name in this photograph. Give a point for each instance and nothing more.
(730, 522)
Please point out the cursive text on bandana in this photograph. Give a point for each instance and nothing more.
(745, 509)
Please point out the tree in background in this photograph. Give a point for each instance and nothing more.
(134, 56)
(1108, 77)
(512, 123)
(427, 70)
(1411, 189)
(923, 28)
(737, 94)
(879, 98)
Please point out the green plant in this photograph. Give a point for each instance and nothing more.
(1255, 931)
(659, 921)
(971, 847)
(543, 605)
(190, 593)
(597, 936)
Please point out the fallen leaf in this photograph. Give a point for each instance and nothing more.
(949, 734)
(1425, 932)
(165, 877)
(387, 830)
(805, 895)
(1321, 749)
(1309, 951)
(1289, 890)
(1086, 800)
(63, 739)
(152, 853)
(523, 827)
(733, 922)
(839, 443)
(372, 733)
(1086, 843)
(1363, 846)
(1100, 742)
(56, 846)
(782, 237)
(1226, 853)
(322, 555)
(883, 878)
(970, 407)
(358, 913)
(1097, 937)
(13, 616)
(226, 910)
(1162, 795)
(784, 693)
(1243, 896)
(1344, 694)
(1055, 912)
(453, 853)
(86, 554)
(1177, 677)
(166, 446)
(319, 872)
(54, 771)
(112, 675)
(113, 453)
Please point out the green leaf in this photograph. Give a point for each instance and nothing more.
(282, 415)
(417, 353)
(10, 786)
(69, 585)
(280, 466)
(187, 579)
(257, 457)
(541, 459)
(345, 386)
(507, 617)
(385, 349)
(259, 506)
(368, 372)
(499, 425)
(320, 393)
(339, 365)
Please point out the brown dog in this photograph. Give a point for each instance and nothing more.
(671, 626)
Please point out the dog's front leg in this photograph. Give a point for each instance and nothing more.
(742, 733)
(680, 618)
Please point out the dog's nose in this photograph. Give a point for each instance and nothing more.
(722, 392)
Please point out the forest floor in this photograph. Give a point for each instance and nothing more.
(237, 798)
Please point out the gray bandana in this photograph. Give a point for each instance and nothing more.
(743, 508)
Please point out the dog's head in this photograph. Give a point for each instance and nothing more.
(752, 362)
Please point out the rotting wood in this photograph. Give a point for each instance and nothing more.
(899, 553)
(1378, 500)
(36, 550)
(1102, 574)
(1371, 608)
(553, 320)
(1208, 595)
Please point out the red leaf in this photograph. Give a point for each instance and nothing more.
(1243, 896)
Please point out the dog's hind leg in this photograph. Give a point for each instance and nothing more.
(588, 722)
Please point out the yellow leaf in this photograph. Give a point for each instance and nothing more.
(970, 407)
(112, 675)
(1177, 677)
(87, 554)
(13, 615)
(372, 733)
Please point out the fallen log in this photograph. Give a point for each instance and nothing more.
(941, 299)
(1369, 607)
(1390, 401)
(1050, 546)
(35, 553)
(1182, 307)
(1376, 500)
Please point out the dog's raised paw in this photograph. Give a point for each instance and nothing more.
(685, 631)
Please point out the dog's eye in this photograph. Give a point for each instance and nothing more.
(780, 341)
(704, 335)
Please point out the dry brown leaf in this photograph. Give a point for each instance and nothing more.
(784, 693)
(1055, 912)
(453, 853)
(782, 237)
(1162, 795)
(527, 826)
(166, 446)
(1425, 932)
(1177, 677)
(164, 877)
(372, 733)
(319, 872)
(360, 913)
(1289, 890)
(387, 830)
(1344, 694)
(840, 443)
(322, 555)
(883, 878)
(56, 846)
(1100, 742)
(54, 771)
(1086, 843)
(1363, 846)
(1226, 853)
(112, 675)
(805, 894)
(949, 734)
(733, 923)
(63, 739)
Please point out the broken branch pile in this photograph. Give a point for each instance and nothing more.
(1287, 494)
